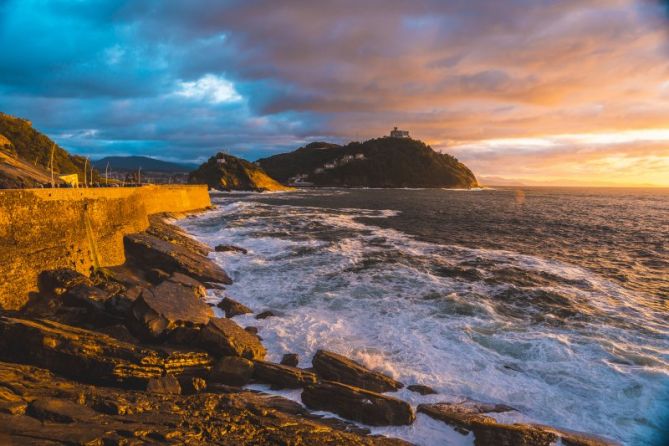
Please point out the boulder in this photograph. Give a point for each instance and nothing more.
(173, 234)
(282, 376)
(233, 308)
(265, 315)
(86, 296)
(232, 371)
(156, 275)
(90, 356)
(290, 359)
(145, 249)
(223, 337)
(470, 416)
(358, 404)
(230, 248)
(190, 385)
(165, 307)
(423, 390)
(334, 367)
(55, 282)
(165, 384)
(252, 330)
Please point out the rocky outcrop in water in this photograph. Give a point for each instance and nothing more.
(334, 367)
(227, 172)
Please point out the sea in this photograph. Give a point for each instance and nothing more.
(554, 301)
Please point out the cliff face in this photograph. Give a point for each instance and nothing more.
(26, 156)
(383, 162)
(226, 172)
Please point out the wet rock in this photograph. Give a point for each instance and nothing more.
(232, 371)
(56, 282)
(334, 367)
(233, 308)
(223, 337)
(231, 248)
(358, 404)
(470, 416)
(282, 376)
(59, 410)
(145, 249)
(265, 315)
(165, 385)
(156, 275)
(290, 359)
(165, 307)
(423, 390)
(252, 330)
(173, 234)
(89, 356)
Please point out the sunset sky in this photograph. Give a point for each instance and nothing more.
(569, 92)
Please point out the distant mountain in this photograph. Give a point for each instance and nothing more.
(382, 162)
(227, 172)
(132, 163)
(25, 156)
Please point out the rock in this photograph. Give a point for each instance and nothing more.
(252, 330)
(282, 376)
(198, 287)
(265, 315)
(156, 275)
(191, 385)
(165, 307)
(113, 416)
(334, 367)
(59, 410)
(90, 356)
(358, 404)
(423, 390)
(223, 337)
(146, 249)
(56, 282)
(86, 296)
(165, 384)
(230, 248)
(290, 359)
(171, 233)
(233, 308)
(232, 371)
(469, 416)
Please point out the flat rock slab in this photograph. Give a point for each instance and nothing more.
(166, 307)
(358, 404)
(471, 416)
(334, 367)
(147, 250)
(59, 410)
(282, 376)
(223, 337)
(87, 355)
(57, 281)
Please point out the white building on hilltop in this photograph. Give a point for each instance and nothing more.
(394, 133)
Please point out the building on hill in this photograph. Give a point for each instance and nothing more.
(395, 133)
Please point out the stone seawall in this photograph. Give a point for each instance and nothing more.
(43, 229)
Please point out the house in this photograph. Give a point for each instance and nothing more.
(394, 133)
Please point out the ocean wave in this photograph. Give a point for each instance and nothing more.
(541, 335)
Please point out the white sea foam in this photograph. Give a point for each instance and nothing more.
(372, 294)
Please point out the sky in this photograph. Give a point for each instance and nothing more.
(542, 92)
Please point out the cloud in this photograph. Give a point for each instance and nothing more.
(182, 79)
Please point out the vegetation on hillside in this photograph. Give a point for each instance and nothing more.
(381, 162)
(34, 148)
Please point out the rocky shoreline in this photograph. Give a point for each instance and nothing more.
(134, 355)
